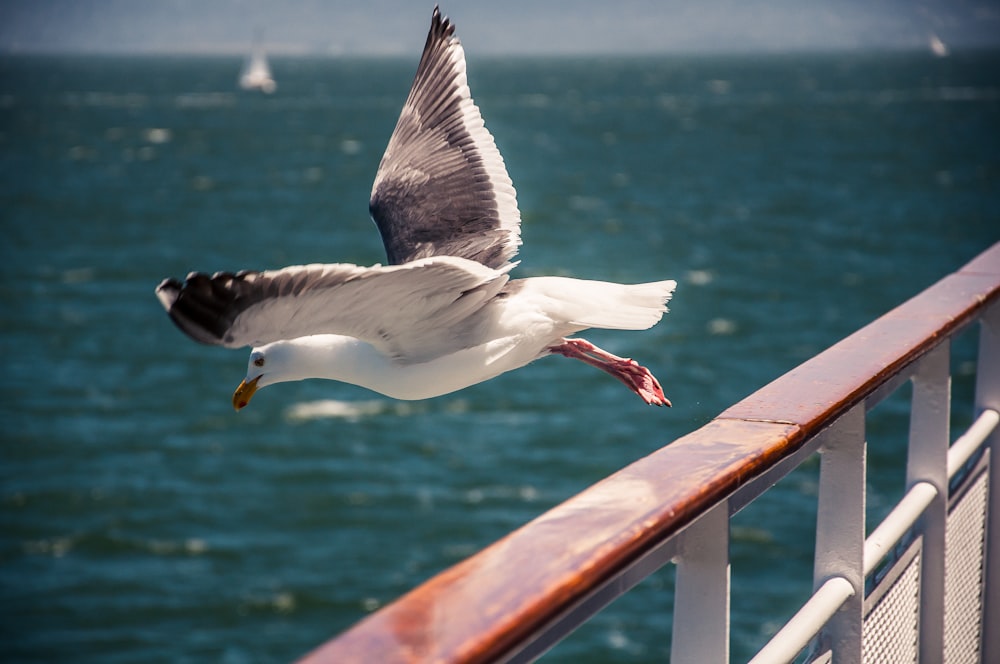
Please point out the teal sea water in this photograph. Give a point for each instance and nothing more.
(795, 199)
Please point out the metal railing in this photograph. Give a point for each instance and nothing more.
(921, 587)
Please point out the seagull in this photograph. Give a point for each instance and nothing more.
(443, 313)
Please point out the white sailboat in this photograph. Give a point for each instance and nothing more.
(938, 47)
(256, 73)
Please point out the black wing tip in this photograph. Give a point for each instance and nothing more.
(441, 26)
(201, 305)
(167, 292)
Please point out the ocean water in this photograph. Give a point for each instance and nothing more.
(795, 199)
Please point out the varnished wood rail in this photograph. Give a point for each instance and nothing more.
(516, 598)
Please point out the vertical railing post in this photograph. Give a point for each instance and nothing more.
(988, 396)
(840, 529)
(701, 594)
(927, 461)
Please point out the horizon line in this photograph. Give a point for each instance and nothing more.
(491, 55)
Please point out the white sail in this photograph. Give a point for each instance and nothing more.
(938, 47)
(256, 73)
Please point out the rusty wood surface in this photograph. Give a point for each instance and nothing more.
(482, 608)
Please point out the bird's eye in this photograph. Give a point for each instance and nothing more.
(259, 362)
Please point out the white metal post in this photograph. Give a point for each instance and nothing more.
(927, 461)
(988, 396)
(701, 595)
(840, 529)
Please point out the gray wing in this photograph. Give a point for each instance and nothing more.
(442, 188)
(401, 310)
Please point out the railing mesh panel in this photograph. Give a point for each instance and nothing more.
(963, 574)
(892, 625)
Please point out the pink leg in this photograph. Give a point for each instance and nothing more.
(637, 378)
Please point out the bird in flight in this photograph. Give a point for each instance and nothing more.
(443, 313)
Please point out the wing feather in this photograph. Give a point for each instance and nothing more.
(410, 312)
(442, 188)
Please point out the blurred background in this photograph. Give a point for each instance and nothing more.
(799, 170)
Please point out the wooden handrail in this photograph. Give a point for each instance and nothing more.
(480, 609)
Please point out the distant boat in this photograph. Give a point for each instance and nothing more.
(938, 47)
(256, 73)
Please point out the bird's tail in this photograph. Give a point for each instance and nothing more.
(611, 306)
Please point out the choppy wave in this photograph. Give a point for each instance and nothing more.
(337, 409)
(61, 545)
(205, 100)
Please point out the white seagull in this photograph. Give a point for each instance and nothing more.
(444, 313)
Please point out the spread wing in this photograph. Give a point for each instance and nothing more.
(442, 188)
(401, 310)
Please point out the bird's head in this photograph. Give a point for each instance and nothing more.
(257, 369)
(317, 356)
(267, 365)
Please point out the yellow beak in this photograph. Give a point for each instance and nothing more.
(243, 393)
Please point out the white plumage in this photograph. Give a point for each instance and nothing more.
(444, 313)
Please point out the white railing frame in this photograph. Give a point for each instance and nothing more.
(831, 621)
(844, 556)
(988, 399)
(931, 462)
